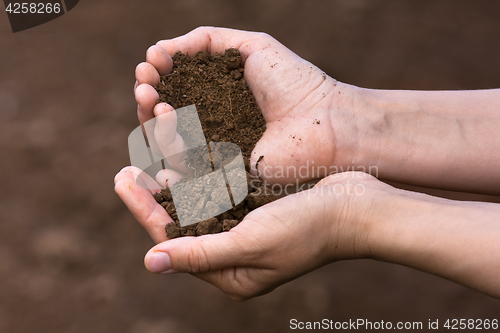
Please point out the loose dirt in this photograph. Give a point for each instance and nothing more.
(228, 113)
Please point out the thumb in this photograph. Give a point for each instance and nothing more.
(198, 254)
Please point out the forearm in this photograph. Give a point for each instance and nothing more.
(444, 139)
(455, 240)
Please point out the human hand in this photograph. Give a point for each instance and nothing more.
(307, 123)
(274, 243)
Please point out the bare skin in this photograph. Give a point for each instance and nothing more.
(440, 139)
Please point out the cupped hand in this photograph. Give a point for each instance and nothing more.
(307, 124)
(274, 243)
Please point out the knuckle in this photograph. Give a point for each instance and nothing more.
(265, 37)
(203, 29)
(197, 260)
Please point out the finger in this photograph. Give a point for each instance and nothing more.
(167, 177)
(141, 204)
(143, 180)
(147, 73)
(199, 254)
(150, 128)
(217, 40)
(168, 140)
(166, 123)
(160, 59)
(141, 115)
(146, 97)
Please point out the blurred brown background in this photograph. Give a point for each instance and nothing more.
(71, 254)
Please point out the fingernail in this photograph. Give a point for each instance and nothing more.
(159, 262)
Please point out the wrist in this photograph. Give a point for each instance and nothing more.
(422, 231)
(398, 135)
(451, 239)
(421, 138)
(359, 128)
(390, 234)
(392, 134)
(355, 207)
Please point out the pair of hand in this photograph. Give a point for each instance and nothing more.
(295, 234)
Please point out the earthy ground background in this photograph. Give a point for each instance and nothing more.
(71, 254)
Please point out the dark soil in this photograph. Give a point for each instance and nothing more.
(228, 113)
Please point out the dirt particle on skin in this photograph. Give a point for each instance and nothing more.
(258, 161)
